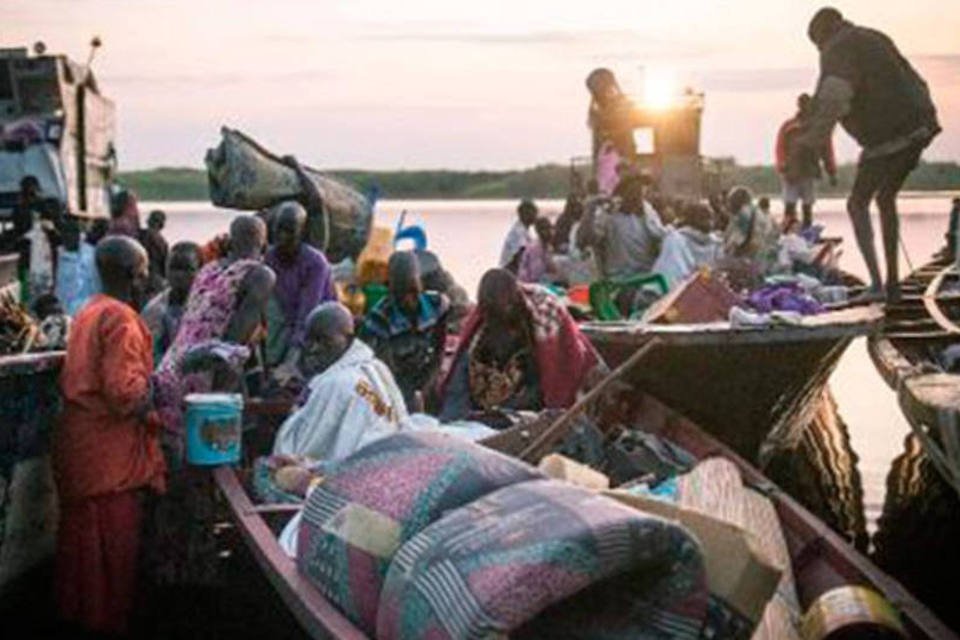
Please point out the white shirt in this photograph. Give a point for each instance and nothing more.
(516, 239)
(351, 404)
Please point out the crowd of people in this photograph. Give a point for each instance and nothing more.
(633, 232)
(258, 311)
(241, 314)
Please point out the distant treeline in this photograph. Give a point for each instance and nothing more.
(546, 181)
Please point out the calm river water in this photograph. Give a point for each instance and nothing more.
(467, 237)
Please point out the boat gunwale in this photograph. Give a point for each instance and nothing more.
(320, 618)
(835, 325)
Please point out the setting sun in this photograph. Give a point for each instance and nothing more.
(659, 87)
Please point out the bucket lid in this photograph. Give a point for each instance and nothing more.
(215, 398)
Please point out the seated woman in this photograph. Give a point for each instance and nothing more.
(519, 349)
(536, 263)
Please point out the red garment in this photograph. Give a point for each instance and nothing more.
(96, 564)
(103, 445)
(784, 138)
(564, 355)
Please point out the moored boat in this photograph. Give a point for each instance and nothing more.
(743, 385)
(818, 558)
(908, 354)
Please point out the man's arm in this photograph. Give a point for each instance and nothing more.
(830, 161)
(832, 102)
(311, 193)
(255, 292)
(780, 150)
(126, 381)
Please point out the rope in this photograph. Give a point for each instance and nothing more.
(903, 248)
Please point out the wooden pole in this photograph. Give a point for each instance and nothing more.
(558, 429)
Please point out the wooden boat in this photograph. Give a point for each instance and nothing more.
(820, 559)
(29, 401)
(742, 385)
(907, 351)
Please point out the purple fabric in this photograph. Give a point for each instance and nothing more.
(812, 234)
(301, 285)
(784, 297)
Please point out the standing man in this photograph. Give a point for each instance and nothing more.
(162, 314)
(869, 87)
(518, 236)
(304, 280)
(799, 167)
(157, 250)
(107, 453)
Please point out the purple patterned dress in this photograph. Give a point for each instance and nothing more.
(213, 299)
(181, 547)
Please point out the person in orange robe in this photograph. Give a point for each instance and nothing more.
(106, 451)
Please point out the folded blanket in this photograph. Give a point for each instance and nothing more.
(545, 559)
(373, 501)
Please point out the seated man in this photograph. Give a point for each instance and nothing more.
(519, 349)
(162, 314)
(353, 398)
(304, 280)
(689, 247)
(518, 236)
(751, 233)
(626, 238)
(407, 329)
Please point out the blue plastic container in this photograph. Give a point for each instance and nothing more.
(214, 428)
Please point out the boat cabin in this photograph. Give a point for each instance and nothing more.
(56, 125)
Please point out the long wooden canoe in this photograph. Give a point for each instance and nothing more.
(907, 354)
(820, 559)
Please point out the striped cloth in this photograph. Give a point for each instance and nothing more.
(381, 496)
(510, 562)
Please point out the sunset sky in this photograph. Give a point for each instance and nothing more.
(431, 84)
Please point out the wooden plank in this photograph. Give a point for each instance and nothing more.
(317, 615)
(931, 300)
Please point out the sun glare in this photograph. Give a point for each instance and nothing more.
(659, 87)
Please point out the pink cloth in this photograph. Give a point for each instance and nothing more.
(533, 264)
(607, 175)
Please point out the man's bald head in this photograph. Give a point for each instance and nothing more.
(330, 319)
(329, 333)
(289, 227)
(122, 265)
(248, 236)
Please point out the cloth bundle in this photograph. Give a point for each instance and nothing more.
(784, 297)
(510, 562)
(378, 498)
(243, 175)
